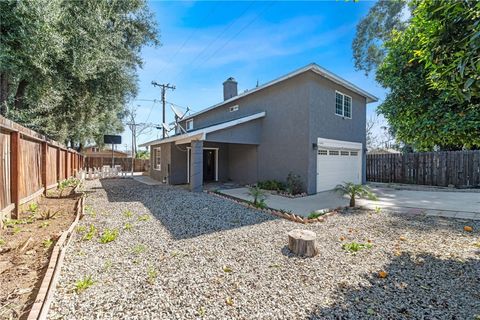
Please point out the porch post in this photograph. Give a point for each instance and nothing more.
(196, 166)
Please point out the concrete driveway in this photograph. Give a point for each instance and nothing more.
(464, 205)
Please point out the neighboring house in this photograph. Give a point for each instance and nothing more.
(95, 151)
(383, 151)
(309, 122)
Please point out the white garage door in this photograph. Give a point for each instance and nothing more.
(338, 162)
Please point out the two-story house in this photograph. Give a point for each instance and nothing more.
(310, 122)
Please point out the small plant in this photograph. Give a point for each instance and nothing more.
(227, 269)
(271, 185)
(16, 229)
(378, 210)
(108, 265)
(108, 235)
(48, 214)
(47, 243)
(81, 229)
(128, 214)
(258, 196)
(2, 242)
(152, 275)
(84, 284)
(294, 184)
(128, 226)
(90, 234)
(316, 214)
(44, 224)
(33, 207)
(138, 249)
(355, 246)
(355, 191)
(144, 217)
(202, 311)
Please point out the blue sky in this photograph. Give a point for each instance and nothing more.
(204, 43)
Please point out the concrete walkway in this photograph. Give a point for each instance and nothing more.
(465, 205)
(147, 180)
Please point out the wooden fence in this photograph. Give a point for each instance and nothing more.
(139, 165)
(458, 168)
(30, 164)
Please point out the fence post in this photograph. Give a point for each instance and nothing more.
(58, 164)
(43, 172)
(15, 171)
(66, 164)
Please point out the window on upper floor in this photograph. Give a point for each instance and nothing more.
(189, 125)
(157, 158)
(234, 108)
(343, 105)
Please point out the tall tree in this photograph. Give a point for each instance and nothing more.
(70, 66)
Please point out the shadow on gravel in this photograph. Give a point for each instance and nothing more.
(421, 287)
(183, 213)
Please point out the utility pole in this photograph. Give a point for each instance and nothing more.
(164, 88)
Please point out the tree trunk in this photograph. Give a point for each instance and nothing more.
(20, 94)
(302, 242)
(352, 201)
(3, 93)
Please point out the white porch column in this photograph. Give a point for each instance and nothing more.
(196, 166)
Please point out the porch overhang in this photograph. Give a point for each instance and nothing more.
(201, 134)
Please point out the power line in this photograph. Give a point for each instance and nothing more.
(213, 41)
(164, 88)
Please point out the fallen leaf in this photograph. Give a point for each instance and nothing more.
(468, 228)
(369, 241)
(227, 269)
(229, 301)
(397, 253)
(382, 274)
(342, 238)
(402, 238)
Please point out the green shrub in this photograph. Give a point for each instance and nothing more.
(47, 243)
(271, 185)
(294, 184)
(258, 196)
(355, 246)
(33, 207)
(90, 234)
(84, 284)
(315, 214)
(108, 235)
(354, 191)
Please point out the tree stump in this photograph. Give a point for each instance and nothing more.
(302, 242)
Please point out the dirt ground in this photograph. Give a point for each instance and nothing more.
(25, 248)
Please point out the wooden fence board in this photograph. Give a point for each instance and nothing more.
(457, 168)
(5, 199)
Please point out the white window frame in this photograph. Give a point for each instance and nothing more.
(189, 150)
(189, 125)
(234, 108)
(157, 154)
(343, 105)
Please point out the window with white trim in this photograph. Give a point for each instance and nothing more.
(353, 153)
(344, 153)
(333, 153)
(343, 105)
(234, 108)
(157, 158)
(189, 125)
(322, 152)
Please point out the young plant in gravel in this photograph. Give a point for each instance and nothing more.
(109, 235)
(16, 230)
(152, 274)
(84, 284)
(258, 197)
(128, 226)
(90, 234)
(47, 243)
(128, 214)
(81, 229)
(48, 214)
(108, 265)
(227, 269)
(2, 242)
(378, 210)
(355, 246)
(144, 217)
(138, 249)
(33, 207)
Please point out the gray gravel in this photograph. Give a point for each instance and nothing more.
(215, 259)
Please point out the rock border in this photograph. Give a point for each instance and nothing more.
(44, 296)
(276, 212)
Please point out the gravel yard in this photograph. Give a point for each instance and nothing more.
(190, 256)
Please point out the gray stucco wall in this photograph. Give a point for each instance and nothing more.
(324, 123)
(298, 111)
(165, 161)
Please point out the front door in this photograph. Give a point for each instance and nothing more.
(208, 165)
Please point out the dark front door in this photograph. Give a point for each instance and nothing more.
(208, 165)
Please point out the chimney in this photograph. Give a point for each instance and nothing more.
(229, 88)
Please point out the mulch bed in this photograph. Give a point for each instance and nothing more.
(25, 248)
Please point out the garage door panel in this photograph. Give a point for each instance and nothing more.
(335, 166)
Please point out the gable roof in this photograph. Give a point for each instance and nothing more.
(310, 67)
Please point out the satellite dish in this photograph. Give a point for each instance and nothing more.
(178, 114)
(167, 128)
